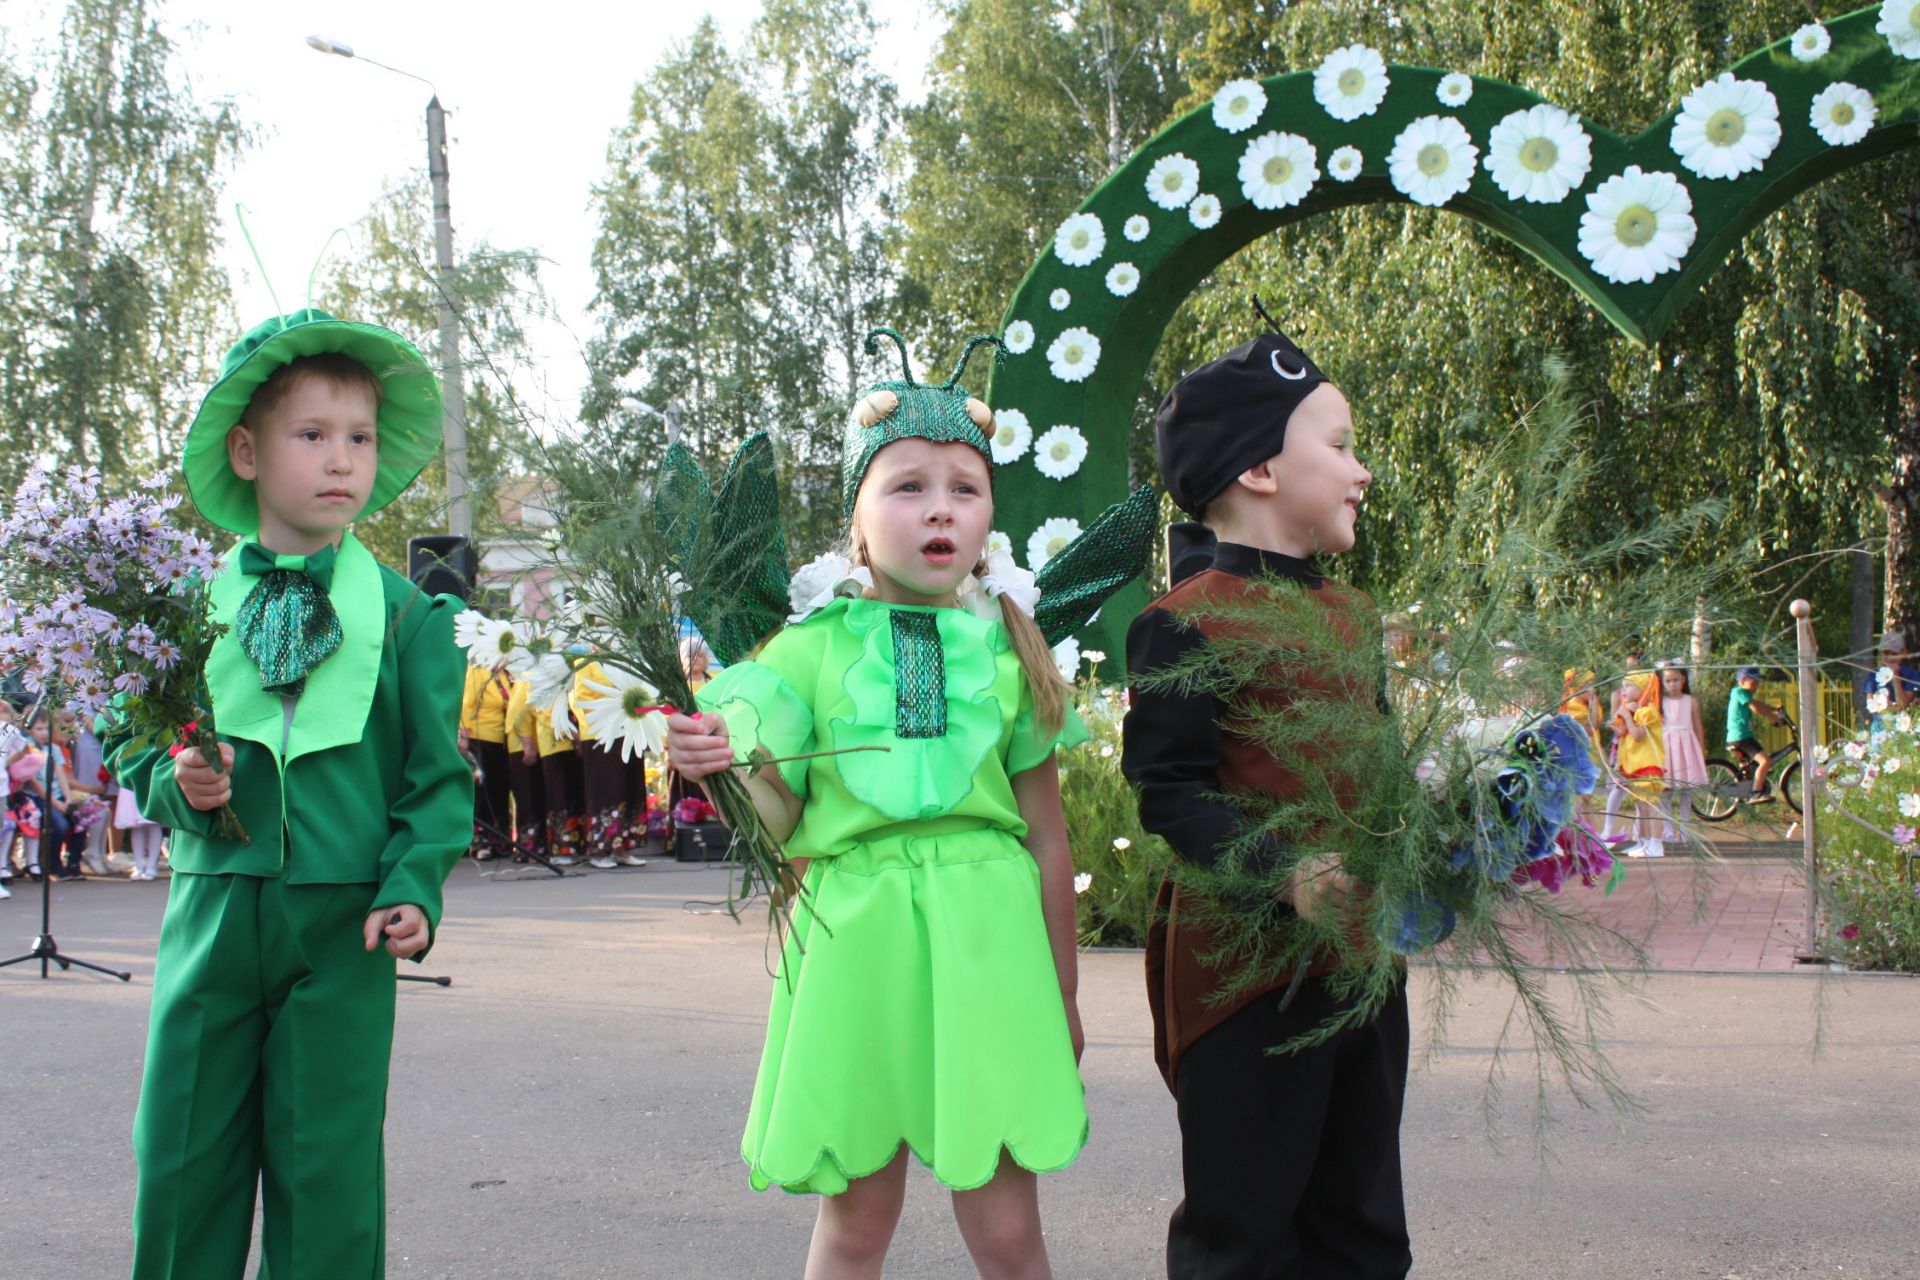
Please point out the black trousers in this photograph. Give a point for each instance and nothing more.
(566, 802)
(1292, 1161)
(616, 794)
(528, 786)
(490, 796)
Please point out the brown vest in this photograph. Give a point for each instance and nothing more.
(1183, 991)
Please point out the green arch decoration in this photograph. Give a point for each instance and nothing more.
(1176, 253)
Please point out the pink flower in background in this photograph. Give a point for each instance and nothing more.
(1903, 834)
(1850, 932)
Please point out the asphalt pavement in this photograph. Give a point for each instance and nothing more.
(570, 1107)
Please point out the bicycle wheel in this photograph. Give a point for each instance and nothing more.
(1719, 799)
(1791, 780)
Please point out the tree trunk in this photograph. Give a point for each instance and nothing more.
(1860, 623)
(1901, 495)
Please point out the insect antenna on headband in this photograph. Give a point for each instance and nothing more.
(999, 354)
(873, 349)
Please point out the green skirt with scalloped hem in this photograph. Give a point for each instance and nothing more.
(916, 1003)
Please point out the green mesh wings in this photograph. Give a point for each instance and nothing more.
(1111, 552)
(728, 545)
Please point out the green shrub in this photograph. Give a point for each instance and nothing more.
(1118, 866)
(1873, 788)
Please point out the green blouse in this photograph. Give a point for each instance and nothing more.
(940, 689)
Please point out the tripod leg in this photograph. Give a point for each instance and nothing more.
(66, 963)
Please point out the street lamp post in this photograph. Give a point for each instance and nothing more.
(459, 505)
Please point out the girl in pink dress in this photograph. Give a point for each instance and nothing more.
(1686, 739)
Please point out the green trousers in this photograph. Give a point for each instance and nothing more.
(266, 1067)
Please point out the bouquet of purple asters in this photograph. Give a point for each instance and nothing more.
(103, 608)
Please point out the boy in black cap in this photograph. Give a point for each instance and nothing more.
(1291, 1161)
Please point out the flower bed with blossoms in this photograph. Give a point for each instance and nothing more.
(1118, 866)
(1870, 815)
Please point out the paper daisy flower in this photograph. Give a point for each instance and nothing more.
(623, 710)
(1432, 160)
(1277, 170)
(1540, 154)
(1172, 182)
(1350, 82)
(1810, 43)
(1123, 279)
(1238, 104)
(1066, 658)
(1059, 299)
(1074, 355)
(1050, 539)
(1080, 240)
(1204, 212)
(1345, 164)
(1019, 337)
(1726, 127)
(1637, 226)
(1136, 228)
(1455, 89)
(1059, 452)
(1011, 435)
(1843, 114)
(1900, 24)
(822, 580)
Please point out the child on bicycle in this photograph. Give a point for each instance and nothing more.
(1742, 705)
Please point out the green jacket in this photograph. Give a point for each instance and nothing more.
(365, 783)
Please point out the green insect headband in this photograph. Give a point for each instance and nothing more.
(908, 410)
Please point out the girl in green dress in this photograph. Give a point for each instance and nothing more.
(925, 1000)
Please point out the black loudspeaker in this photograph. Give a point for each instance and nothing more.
(443, 564)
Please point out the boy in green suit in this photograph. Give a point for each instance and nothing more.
(335, 694)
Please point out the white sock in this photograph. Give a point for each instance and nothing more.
(146, 850)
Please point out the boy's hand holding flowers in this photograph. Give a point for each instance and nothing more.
(204, 788)
(698, 746)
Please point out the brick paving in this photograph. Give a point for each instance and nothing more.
(1698, 914)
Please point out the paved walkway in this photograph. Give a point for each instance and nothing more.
(1693, 913)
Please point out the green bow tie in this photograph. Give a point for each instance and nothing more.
(286, 625)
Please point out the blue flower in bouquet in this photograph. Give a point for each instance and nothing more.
(1563, 744)
(1413, 926)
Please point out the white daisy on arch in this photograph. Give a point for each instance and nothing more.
(1011, 436)
(1637, 226)
(1019, 337)
(1810, 43)
(1204, 212)
(1237, 105)
(1350, 82)
(1059, 452)
(624, 710)
(1080, 240)
(1345, 164)
(1726, 127)
(1539, 155)
(1074, 355)
(1900, 24)
(1136, 228)
(1432, 160)
(1455, 89)
(1173, 181)
(1843, 114)
(1122, 279)
(998, 544)
(1277, 170)
(1059, 299)
(1050, 539)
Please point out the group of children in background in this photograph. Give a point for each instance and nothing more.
(70, 811)
(1655, 747)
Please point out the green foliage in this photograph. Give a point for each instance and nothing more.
(1868, 874)
(113, 312)
(744, 242)
(387, 277)
(1124, 864)
(1777, 387)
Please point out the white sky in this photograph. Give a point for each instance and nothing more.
(533, 92)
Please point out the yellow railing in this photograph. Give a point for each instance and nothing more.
(1837, 718)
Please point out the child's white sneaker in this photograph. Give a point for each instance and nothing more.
(631, 860)
(1634, 850)
(602, 863)
(1655, 848)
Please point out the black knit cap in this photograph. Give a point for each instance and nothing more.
(1230, 415)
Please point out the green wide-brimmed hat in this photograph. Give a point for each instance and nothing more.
(410, 418)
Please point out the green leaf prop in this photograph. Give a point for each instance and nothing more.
(728, 545)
